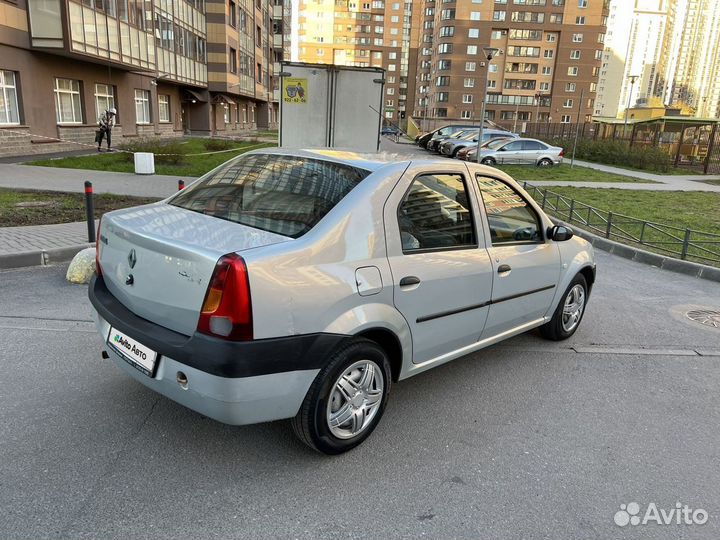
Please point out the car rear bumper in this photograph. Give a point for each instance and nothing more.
(232, 382)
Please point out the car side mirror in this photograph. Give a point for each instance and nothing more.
(560, 233)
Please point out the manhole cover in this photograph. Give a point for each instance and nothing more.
(705, 316)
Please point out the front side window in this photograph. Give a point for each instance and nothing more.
(510, 217)
(435, 214)
(104, 98)
(142, 106)
(67, 101)
(286, 195)
(9, 111)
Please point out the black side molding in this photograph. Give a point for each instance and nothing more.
(478, 306)
(230, 359)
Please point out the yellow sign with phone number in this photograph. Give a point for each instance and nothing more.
(295, 91)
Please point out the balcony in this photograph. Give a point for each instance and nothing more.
(277, 41)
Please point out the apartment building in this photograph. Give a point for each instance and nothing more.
(634, 41)
(168, 66)
(689, 66)
(546, 70)
(378, 34)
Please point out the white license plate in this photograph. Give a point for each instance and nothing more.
(133, 352)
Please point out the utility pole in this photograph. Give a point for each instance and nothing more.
(577, 127)
(489, 53)
(633, 78)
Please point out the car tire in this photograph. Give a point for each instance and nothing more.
(455, 153)
(331, 395)
(489, 161)
(545, 162)
(566, 319)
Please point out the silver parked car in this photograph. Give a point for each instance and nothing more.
(523, 151)
(302, 284)
(451, 147)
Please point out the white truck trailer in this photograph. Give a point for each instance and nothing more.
(330, 106)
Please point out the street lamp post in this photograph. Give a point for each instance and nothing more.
(489, 53)
(633, 78)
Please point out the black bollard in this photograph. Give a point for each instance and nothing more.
(90, 211)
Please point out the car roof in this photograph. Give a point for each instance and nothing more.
(368, 161)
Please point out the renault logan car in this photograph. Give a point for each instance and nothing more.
(303, 284)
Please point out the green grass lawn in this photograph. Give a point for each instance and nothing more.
(529, 173)
(23, 207)
(686, 209)
(185, 165)
(694, 210)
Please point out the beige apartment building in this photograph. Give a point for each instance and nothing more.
(546, 70)
(366, 34)
(689, 66)
(169, 67)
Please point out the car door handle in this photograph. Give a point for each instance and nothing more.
(409, 280)
(504, 268)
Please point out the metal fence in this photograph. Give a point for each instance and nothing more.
(685, 244)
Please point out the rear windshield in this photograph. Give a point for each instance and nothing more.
(286, 195)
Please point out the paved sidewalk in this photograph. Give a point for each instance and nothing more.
(57, 179)
(41, 244)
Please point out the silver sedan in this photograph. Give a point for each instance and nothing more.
(523, 151)
(303, 284)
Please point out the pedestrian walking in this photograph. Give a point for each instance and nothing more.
(105, 125)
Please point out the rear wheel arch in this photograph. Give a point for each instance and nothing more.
(390, 343)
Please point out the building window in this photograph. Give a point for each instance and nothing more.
(577, 38)
(570, 87)
(551, 38)
(163, 108)
(573, 71)
(547, 70)
(142, 106)
(474, 33)
(67, 101)
(568, 103)
(549, 53)
(465, 115)
(474, 15)
(579, 20)
(498, 15)
(575, 55)
(232, 61)
(233, 14)
(582, 3)
(472, 49)
(492, 83)
(544, 86)
(469, 66)
(565, 119)
(226, 113)
(104, 98)
(9, 111)
(467, 98)
(469, 83)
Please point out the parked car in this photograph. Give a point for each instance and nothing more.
(523, 151)
(470, 153)
(434, 144)
(450, 147)
(303, 284)
(429, 140)
(390, 130)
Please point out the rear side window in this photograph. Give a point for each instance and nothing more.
(533, 145)
(285, 195)
(435, 214)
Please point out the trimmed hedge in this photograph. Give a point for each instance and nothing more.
(612, 152)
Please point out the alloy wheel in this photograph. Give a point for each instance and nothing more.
(355, 399)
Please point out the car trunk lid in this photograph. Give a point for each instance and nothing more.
(157, 260)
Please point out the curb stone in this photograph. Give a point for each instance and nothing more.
(41, 257)
(663, 262)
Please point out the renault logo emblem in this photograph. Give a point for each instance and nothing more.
(132, 258)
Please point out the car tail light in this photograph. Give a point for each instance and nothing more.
(562, 152)
(227, 309)
(98, 249)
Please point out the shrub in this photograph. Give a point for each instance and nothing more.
(615, 152)
(213, 145)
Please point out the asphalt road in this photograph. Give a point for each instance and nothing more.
(530, 439)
